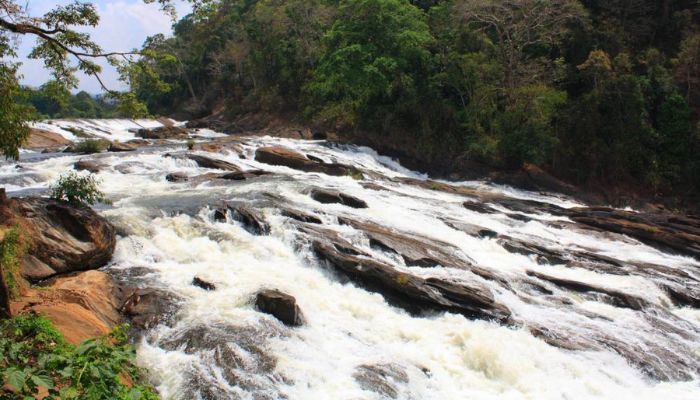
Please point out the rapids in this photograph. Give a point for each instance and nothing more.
(355, 343)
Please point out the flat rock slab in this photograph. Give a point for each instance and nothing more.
(278, 155)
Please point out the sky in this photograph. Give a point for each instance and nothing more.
(124, 25)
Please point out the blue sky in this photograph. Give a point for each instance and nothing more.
(124, 25)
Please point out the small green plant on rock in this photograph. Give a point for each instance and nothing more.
(35, 357)
(78, 190)
(190, 144)
(91, 146)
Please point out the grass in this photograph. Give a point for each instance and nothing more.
(91, 146)
(79, 133)
(35, 358)
(12, 249)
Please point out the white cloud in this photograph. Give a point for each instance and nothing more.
(124, 25)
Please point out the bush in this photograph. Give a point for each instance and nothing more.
(77, 189)
(34, 355)
(91, 146)
(190, 144)
(12, 249)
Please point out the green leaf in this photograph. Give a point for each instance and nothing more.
(16, 378)
(43, 380)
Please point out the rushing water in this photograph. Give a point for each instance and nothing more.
(219, 346)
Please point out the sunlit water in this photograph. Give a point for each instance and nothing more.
(168, 232)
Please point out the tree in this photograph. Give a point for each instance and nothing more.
(524, 31)
(687, 69)
(377, 54)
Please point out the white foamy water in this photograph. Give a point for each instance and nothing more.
(168, 231)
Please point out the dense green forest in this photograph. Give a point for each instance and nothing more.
(55, 101)
(599, 92)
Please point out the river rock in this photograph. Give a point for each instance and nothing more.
(120, 147)
(207, 162)
(81, 306)
(331, 196)
(278, 155)
(201, 283)
(252, 220)
(40, 139)
(244, 175)
(383, 379)
(165, 132)
(412, 292)
(147, 307)
(64, 238)
(177, 177)
(301, 216)
(680, 234)
(87, 165)
(280, 305)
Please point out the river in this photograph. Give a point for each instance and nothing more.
(554, 342)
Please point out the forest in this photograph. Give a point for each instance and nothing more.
(598, 92)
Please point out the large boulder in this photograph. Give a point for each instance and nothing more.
(331, 196)
(120, 147)
(280, 305)
(278, 155)
(87, 165)
(164, 132)
(213, 163)
(146, 308)
(40, 139)
(63, 238)
(81, 306)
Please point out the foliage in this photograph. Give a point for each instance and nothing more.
(12, 249)
(35, 356)
(90, 146)
(13, 131)
(53, 100)
(77, 189)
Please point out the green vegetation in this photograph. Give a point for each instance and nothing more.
(596, 92)
(35, 357)
(52, 100)
(90, 146)
(12, 248)
(79, 190)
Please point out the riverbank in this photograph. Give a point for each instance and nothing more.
(441, 163)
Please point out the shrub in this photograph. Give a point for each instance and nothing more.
(190, 144)
(34, 355)
(77, 189)
(12, 248)
(91, 146)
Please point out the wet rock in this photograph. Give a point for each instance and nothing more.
(165, 132)
(301, 216)
(120, 147)
(237, 354)
(383, 379)
(252, 221)
(138, 143)
(680, 234)
(206, 162)
(64, 238)
(469, 297)
(147, 308)
(280, 305)
(201, 283)
(329, 196)
(470, 229)
(87, 165)
(177, 177)
(244, 175)
(478, 207)
(541, 253)
(277, 155)
(617, 298)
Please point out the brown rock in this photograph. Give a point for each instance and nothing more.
(64, 238)
(277, 155)
(120, 147)
(280, 305)
(329, 196)
(87, 165)
(165, 132)
(40, 139)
